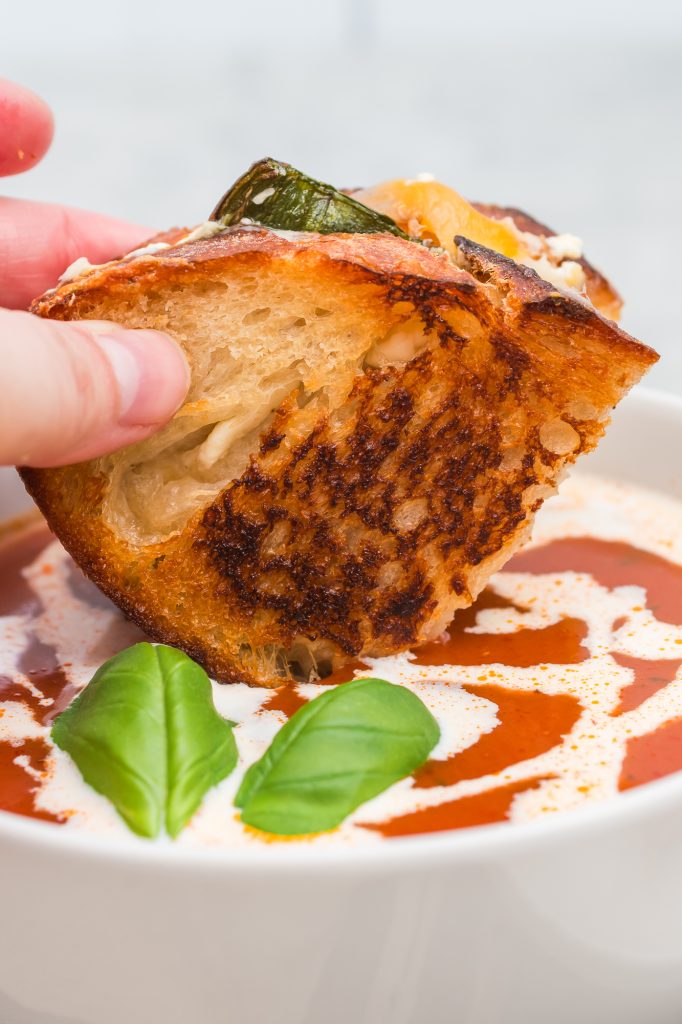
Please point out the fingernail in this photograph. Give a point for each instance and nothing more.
(151, 374)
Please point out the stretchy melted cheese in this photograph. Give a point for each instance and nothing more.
(559, 688)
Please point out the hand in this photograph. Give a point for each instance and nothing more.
(68, 391)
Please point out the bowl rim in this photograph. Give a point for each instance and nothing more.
(478, 843)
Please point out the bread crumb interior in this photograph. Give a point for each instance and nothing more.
(254, 339)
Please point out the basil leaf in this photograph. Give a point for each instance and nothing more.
(336, 752)
(278, 196)
(145, 734)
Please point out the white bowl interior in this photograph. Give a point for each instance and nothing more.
(569, 918)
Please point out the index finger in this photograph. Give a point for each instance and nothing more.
(26, 128)
(39, 240)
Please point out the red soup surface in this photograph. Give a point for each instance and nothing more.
(558, 686)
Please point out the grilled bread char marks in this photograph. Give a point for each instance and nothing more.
(377, 502)
(392, 518)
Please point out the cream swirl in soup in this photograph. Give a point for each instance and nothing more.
(560, 687)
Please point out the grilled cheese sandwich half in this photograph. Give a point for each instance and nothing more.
(372, 424)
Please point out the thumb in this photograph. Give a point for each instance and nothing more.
(73, 391)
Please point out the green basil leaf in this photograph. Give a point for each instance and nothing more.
(145, 734)
(338, 751)
(278, 196)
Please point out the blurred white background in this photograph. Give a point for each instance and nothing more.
(572, 111)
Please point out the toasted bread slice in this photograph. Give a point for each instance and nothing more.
(369, 432)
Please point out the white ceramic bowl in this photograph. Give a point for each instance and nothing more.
(577, 918)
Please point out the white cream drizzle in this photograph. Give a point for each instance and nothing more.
(84, 630)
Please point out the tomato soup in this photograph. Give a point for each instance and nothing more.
(560, 687)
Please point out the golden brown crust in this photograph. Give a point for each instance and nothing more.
(383, 256)
(359, 527)
(601, 292)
